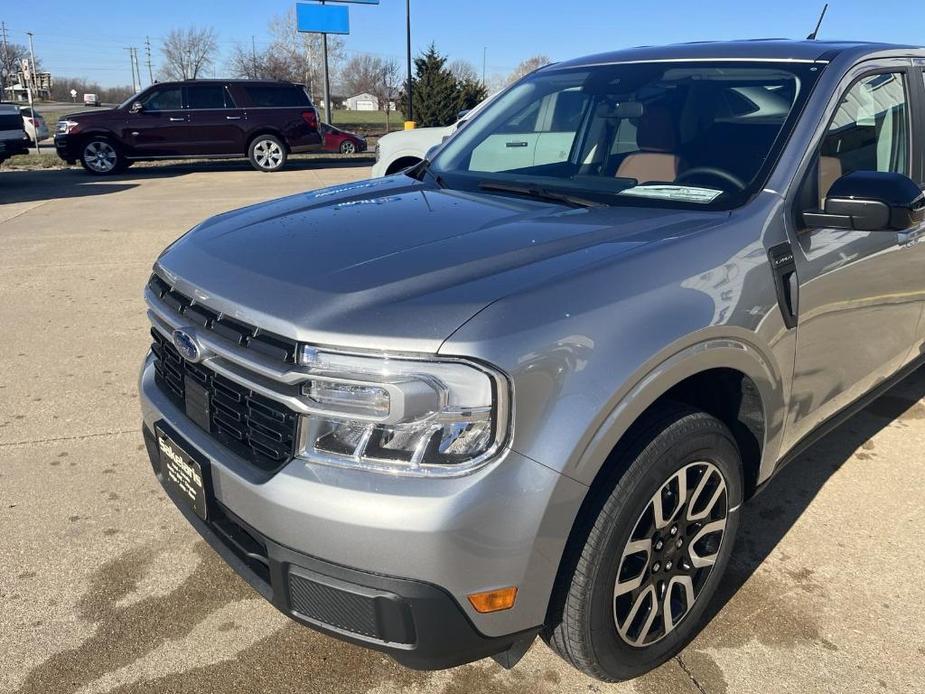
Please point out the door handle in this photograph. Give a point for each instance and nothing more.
(232, 117)
(515, 144)
(177, 120)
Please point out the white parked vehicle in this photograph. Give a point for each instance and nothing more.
(34, 124)
(92, 100)
(399, 150)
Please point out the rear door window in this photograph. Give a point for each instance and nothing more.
(277, 96)
(206, 96)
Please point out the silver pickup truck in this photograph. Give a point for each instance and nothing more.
(525, 388)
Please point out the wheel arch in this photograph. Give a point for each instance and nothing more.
(402, 162)
(729, 378)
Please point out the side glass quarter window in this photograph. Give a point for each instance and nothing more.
(869, 131)
(208, 96)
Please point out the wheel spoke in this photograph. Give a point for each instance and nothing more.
(658, 502)
(699, 561)
(633, 548)
(687, 584)
(647, 596)
(711, 504)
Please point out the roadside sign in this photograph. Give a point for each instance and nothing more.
(322, 19)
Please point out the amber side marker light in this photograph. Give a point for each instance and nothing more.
(494, 600)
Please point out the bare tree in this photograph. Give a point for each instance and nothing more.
(361, 74)
(11, 57)
(527, 66)
(463, 70)
(389, 87)
(300, 54)
(188, 52)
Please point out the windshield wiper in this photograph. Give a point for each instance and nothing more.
(539, 193)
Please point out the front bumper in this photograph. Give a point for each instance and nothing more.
(394, 557)
(66, 147)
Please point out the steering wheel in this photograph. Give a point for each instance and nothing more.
(713, 171)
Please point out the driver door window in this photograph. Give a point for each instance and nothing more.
(869, 131)
(169, 99)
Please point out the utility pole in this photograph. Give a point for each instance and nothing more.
(137, 66)
(408, 47)
(6, 54)
(484, 55)
(131, 55)
(324, 77)
(148, 55)
(31, 89)
(254, 56)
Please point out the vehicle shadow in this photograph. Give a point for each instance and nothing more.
(37, 185)
(54, 184)
(768, 517)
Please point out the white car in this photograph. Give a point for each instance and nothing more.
(34, 124)
(404, 148)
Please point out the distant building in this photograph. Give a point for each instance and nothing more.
(20, 92)
(362, 102)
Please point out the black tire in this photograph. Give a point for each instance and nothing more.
(101, 156)
(267, 153)
(672, 444)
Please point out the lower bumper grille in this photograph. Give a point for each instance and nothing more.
(257, 428)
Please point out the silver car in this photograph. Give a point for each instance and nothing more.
(525, 388)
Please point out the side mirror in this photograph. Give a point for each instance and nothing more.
(136, 107)
(870, 201)
(431, 152)
(462, 114)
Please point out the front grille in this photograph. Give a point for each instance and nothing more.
(241, 334)
(257, 428)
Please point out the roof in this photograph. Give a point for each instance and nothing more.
(753, 49)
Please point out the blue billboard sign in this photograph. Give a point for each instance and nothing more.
(322, 19)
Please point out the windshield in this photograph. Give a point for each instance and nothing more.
(663, 134)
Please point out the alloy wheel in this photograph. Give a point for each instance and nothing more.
(100, 156)
(670, 553)
(348, 147)
(268, 154)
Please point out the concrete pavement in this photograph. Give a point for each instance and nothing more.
(104, 587)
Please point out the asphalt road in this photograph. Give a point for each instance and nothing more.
(104, 587)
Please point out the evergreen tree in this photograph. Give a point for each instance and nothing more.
(470, 93)
(437, 95)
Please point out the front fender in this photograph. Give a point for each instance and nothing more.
(721, 351)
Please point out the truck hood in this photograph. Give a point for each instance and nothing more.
(90, 116)
(395, 263)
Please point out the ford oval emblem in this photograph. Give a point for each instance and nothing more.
(187, 346)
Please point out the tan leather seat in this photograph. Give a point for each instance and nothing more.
(655, 160)
(830, 170)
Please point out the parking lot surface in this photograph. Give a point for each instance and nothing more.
(105, 588)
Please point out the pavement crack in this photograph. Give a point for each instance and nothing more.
(119, 432)
(690, 674)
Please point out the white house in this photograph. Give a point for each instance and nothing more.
(362, 102)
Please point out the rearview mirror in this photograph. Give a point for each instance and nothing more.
(136, 107)
(870, 201)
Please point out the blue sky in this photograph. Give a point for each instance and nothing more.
(87, 39)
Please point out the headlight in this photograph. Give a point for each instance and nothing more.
(405, 416)
(66, 126)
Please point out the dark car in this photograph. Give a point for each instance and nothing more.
(262, 120)
(337, 140)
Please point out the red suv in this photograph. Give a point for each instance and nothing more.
(261, 120)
